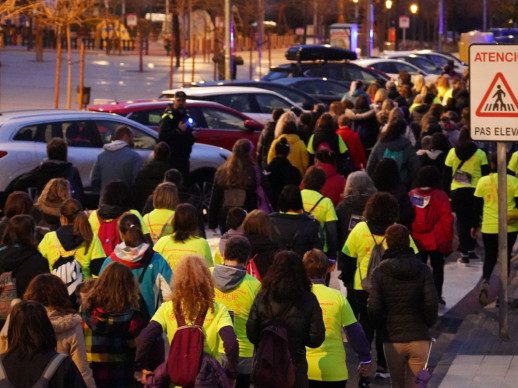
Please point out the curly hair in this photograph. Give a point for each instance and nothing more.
(50, 291)
(286, 279)
(116, 290)
(235, 171)
(193, 287)
(381, 210)
(55, 192)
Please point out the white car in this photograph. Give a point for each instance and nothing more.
(24, 136)
(392, 67)
(421, 62)
(256, 103)
(439, 58)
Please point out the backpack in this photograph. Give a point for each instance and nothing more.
(251, 268)
(68, 269)
(156, 236)
(273, 364)
(8, 293)
(185, 353)
(396, 155)
(234, 197)
(43, 381)
(211, 374)
(108, 233)
(375, 258)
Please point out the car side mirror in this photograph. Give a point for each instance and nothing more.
(252, 125)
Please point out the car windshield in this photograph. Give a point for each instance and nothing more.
(424, 64)
(275, 74)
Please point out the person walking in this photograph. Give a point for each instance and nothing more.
(404, 300)
(286, 296)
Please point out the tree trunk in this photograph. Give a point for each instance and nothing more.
(38, 44)
(58, 70)
(69, 69)
(177, 43)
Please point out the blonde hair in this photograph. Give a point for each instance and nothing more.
(381, 95)
(419, 83)
(281, 123)
(55, 192)
(193, 287)
(165, 196)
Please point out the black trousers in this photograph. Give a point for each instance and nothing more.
(462, 201)
(327, 384)
(491, 252)
(358, 301)
(437, 263)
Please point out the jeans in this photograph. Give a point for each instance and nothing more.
(405, 360)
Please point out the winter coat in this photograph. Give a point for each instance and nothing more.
(335, 183)
(281, 173)
(432, 158)
(117, 161)
(304, 325)
(432, 229)
(149, 177)
(352, 140)
(298, 155)
(264, 142)
(263, 250)
(25, 371)
(46, 216)
(48, 169)
(26, 263)
(297, 232)
(154, 285)
(365, 124)
(402, 151)
(110, 345)
(403, 297)
(349, 213)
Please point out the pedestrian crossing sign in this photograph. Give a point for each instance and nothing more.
(499, 100)
(493, 87)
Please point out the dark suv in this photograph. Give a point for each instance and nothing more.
(323, 63)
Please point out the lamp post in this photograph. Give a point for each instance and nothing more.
(356, 11)
(388, 7)
(413, 9)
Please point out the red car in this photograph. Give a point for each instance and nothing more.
(214, 123)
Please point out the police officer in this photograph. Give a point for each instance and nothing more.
(176, 130)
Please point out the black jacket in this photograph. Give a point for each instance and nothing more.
(24, 372)
(297, 232)
(282, 173)
(179, 141)
(403, 297)
(25, 263)
(149, 177)
(303, 322)
(264, 142)
(351, 206)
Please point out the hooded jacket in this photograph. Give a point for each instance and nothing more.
(26, 263)
(352, 140)
(409, 164)
(149, 177)
(154, 285)
(350, 209)
(335, 183)
(117, 161)
(263, 250)
(403, 297)
(298, 155)
(365, 124)
(281, 173)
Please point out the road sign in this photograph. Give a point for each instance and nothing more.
(493, 90)
(404, 22)
(131, 20)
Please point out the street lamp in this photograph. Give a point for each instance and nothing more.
(413, 9)
(356, 11)
(388, 7)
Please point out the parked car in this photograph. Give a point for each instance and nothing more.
(322, 61)
(254, 102)
(24, 134)
(422, 63)
(439, 58)
(298, 96)
(214, 123)
(392, 67)
(323, 89)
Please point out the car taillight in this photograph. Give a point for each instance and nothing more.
(2, 154)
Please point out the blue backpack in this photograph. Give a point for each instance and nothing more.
(396, 155)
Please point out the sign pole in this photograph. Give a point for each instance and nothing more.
(502, 239)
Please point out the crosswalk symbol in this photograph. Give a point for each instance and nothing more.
(499, 100)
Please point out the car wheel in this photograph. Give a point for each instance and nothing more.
(200, 189)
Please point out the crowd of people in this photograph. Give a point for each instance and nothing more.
(366, 189)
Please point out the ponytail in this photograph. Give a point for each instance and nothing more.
(131, 230)
(73, 212)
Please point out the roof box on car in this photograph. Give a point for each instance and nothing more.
(319, 52)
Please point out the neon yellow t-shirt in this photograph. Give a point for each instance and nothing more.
(359, 244)
(159, 223)
(487, 188)
(51, 249)
(472, 166)
(213, 323)
(342, 147)
(239, 301)
(513, 163)
(94, 221)
(327, 362)
(323, 212)
(174, 251)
